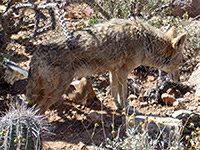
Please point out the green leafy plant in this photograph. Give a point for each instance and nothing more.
(117, 8)
(137, 137)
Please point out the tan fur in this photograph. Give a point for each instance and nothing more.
(118, 46)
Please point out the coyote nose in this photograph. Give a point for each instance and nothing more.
(174, 76)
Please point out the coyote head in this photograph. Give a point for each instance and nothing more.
(174, 53)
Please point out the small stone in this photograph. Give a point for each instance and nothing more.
(177, 105)
(170, 91)
(174, 92)
(88, 11)
(187, 94)
(103, 94)
(2, 8)
(154, 101)
(94, 117)
(168, 99)
(103, 84)
(150, 78)
(198, 109)
(69, 15)
(132, 97)
(143, 104)
(192, 108)
(82, 146)
(183, 100)
(108, 90)
(78, 106)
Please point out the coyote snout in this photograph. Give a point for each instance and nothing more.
(174, 75)
(175, 54)
(118, 46)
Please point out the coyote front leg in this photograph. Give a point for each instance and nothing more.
(114, 87)
(118, 81)
(122, 75)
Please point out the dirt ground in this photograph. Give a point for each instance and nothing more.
(75, 133)
(73, 130)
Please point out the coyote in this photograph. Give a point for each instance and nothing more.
(117, 46)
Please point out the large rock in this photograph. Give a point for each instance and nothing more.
(195, 79)
(178, 114)
(157, 125)
(192, 7)
(189, 118)
(182, 123)
(81, 92)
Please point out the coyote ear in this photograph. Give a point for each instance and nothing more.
(172, 33)
(177, 43)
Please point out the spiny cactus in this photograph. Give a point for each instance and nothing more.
(21, 128)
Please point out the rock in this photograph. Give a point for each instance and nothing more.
(171, 91)
(88, 11)
(158, 125)
(192, 108)
(179, 113)
(94, 117)
(132, 97)
(20, 86)
(2, 8)
(74, 14)
(150, 78)
(149, 94)
(180, 7)
(168, 99)
(183, 100)
(194, 79)
(69, 15)
(188, 117)
(81, 92)
(198, 109)
(167, 127)
(174, 92)
(177, 105)
(133, 86)
(180, 103)
(103, 84)
(154, 101)
(108, 91)
(143, 104)
(82, 146)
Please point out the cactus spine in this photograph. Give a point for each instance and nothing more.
(20, 129)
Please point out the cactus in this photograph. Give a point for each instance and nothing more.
(21, 129)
